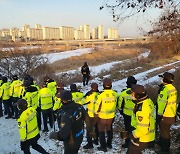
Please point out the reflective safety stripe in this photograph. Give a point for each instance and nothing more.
(108, 99)
(31, 117)
(127, 108)
(169, 103)
(22, 127)
(79, 133)
(47, 95)
(92, 111)
(151, 131)
(171, 91)
(46, 104)
(143, 125)
(136, 144)
(32, 130)
(163, 101)
(77, 99)
(128, 97)
(108, 111)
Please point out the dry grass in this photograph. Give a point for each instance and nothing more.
(100, 56)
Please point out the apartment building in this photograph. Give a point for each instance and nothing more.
(33, 33)
(100, 32)
(50, 33)
(112, 33)
(94, 33)
(66, 33)
(78, 34)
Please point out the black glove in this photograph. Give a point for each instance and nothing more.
(54, 135)
(23, 145)
(158, 119)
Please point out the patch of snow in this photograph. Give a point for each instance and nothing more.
(52, 57)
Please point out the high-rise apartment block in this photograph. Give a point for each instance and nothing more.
(94, 33)
(78, 34)
(54, 33)
(34, 33)
(50, 33)
(66, 33)
(100, 32)
(86, 30)
(112, 33)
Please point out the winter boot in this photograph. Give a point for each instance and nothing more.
(88, 146)
(109, 140)
(102, 142)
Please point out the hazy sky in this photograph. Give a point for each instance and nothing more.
(55, 13)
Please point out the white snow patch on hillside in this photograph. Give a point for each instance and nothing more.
(52, 57)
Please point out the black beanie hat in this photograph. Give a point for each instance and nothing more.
(130, 81)
(65, 95)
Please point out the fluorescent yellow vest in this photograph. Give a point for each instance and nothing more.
(32, 99)
(144, 122)
(128, 103)
(167, 101)
(4, 91)
(92, 103)
(57, 104)
(16, 88)
(106, 104)
(27, 124)
(46, 98)
(78, 97)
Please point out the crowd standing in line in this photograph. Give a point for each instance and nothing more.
(28, 103)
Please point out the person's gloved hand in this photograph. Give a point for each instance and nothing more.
(54, 135)
(158, 119)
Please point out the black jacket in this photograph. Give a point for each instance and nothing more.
(71, 119)
(85, 70)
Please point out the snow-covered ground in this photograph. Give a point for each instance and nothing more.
(9, 136)
(66, 54)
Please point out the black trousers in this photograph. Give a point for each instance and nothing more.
(85, 79)
(164, 136)
(25, 146)
(73, 148)
(94, 126)
(8, 107)
(13, 101)
(47, 114)
(127, 123)
(39, 117)
(133, 149)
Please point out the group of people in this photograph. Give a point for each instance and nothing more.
(25, 101)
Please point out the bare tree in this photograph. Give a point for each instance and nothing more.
(20, 61)
(123, 9)
(167, 31)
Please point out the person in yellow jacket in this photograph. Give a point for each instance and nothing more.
(142, 121)
(15, 93)
(51, 84)
(77, 96)
(46, 98)
(58, 103)
(105, 110)
(126, 106)
(90, 100)
(4, 95)
(28, 128)
(166, 101)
